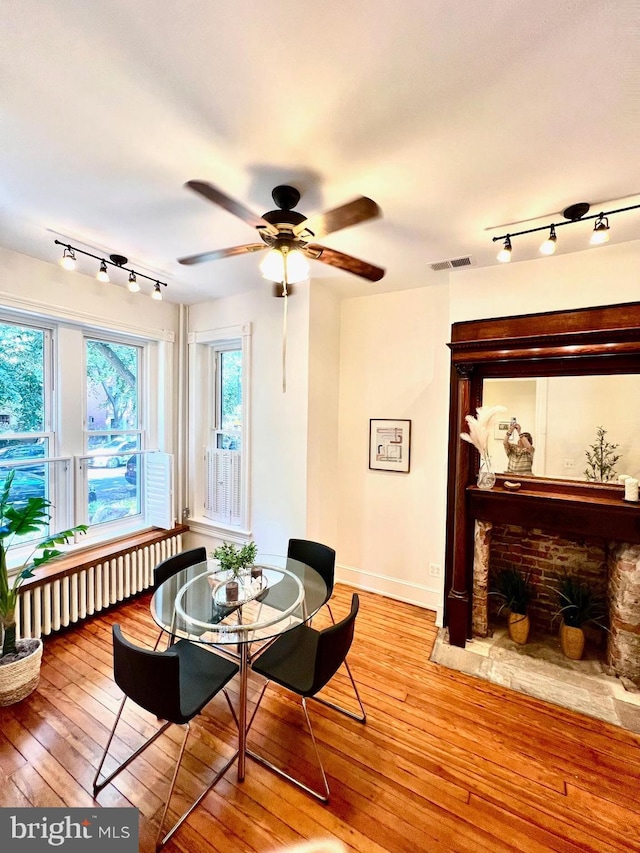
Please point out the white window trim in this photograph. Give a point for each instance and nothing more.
(201, 392)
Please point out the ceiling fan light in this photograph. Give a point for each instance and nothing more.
(157, 293)
(272, 265)
(504, 255)
(549, 245)
(297, 267)
(600, 232)
(132, 284)
(68, 259)
(102, 274)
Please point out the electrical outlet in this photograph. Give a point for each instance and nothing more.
(569, 463)
(434, 570)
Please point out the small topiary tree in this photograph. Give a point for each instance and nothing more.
(601, 459)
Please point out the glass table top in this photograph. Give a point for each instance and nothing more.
(194, 603)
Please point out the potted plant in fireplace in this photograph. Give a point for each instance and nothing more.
(580, 605)
(516, 592)
(20, 659)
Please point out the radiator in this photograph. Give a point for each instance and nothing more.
(63, 601)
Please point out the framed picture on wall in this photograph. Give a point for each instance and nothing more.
(389, 445)
(500, 429)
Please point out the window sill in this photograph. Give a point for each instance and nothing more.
(74, 561)
(200, 524)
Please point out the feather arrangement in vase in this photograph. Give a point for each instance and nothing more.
(480, 431)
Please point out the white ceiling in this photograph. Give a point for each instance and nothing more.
(457, 117)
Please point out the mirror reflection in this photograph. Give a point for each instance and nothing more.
(562, 416)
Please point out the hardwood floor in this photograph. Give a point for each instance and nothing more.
(445, 762)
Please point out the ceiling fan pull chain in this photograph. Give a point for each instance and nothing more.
(284, 334)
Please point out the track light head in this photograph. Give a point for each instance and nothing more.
(157, 293)
(600, 232)
(504, 255)
(102, 274)
(132, 284)
(549, 245)
(68, 259)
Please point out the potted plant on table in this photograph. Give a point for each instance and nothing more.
(236, 561)
(516, 592)
(20, 659)
(579, 606)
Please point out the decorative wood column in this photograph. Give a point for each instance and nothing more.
(458, 614)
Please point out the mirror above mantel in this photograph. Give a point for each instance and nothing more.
(563, 414)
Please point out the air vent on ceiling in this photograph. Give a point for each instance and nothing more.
(454, 263)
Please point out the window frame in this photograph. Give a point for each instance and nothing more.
(203, 422)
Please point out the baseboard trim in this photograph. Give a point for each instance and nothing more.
(400, 590)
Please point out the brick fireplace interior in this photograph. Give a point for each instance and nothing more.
(611, 568)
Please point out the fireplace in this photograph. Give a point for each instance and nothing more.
(611, 568)
(593, 519)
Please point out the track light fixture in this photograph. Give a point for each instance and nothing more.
(600, 231)
(504, 255)
(572, 214)
(68, 261)
(102, 274)
(549, 245)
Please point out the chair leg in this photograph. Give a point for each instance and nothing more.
(97, 787)
(160, 843)
(360, 718)
(324, 798)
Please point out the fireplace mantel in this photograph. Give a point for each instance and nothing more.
(602, 340)
(580, 509)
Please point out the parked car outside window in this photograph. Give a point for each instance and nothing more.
(131, 475)
(115, 459)
(23, 451)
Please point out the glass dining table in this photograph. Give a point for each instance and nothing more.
(198, 604)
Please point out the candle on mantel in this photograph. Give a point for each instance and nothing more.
(631, 489)
(623, 477)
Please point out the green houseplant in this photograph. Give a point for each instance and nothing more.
(236, 560)
(19, 519)
(516, 592)
(601, 458)
(579, 605)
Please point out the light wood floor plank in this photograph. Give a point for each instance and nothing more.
(446, 763)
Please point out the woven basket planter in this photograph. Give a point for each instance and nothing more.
(20, 677)
(519, 628)
(571, 641)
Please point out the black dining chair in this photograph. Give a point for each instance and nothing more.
(175, 685)
(320, 557)
(303, 661)
(171, 566)
(323, 559)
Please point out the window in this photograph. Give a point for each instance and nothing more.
(25, 405)
(113, 433)
(219, 380)
(79, 423)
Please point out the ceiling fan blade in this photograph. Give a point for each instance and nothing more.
(344, 262)
(217, 197)
(358, 210)
(216, 254)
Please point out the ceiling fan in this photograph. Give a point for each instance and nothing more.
(289, 234)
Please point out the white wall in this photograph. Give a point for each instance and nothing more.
(322, 451)
(394, 363)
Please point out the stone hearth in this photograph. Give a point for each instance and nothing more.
(540, 669)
